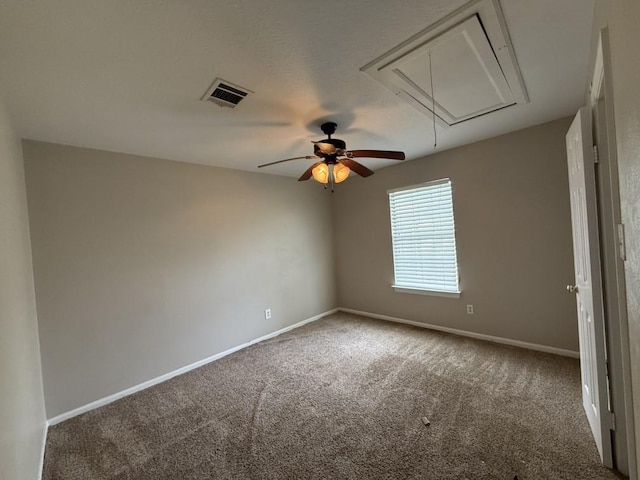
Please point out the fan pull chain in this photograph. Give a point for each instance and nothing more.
(433, 105)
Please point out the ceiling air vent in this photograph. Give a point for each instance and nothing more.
(225, 94)
(458, 69)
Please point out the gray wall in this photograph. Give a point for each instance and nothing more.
(143, 266)
(621, 16)
(22, 413)
(513, 232)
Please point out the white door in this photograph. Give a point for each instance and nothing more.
(588, 284)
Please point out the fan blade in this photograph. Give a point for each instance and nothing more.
(308, 157)
(325, 148)
(357, 167)
(308, 172)
(376, 154)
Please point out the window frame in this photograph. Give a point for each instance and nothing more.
(413, 289)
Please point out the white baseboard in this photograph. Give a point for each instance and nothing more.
(43, 446)
(149, 383)
(465, 333)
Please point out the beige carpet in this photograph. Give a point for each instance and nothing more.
(343, 398)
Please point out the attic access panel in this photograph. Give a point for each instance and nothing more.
(467, 79)
(474, 69)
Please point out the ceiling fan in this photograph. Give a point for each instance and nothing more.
(336, 162)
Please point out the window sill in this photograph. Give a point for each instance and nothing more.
(433, 293)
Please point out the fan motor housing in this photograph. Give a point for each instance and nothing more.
(336, 142)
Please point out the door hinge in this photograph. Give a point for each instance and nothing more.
(596, 157)
(613, 421)
(622, 247)
(612, 417)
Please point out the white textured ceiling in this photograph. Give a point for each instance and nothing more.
(127, 76)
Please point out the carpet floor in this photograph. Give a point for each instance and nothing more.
(343, 398)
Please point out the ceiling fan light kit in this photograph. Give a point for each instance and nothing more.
(340, 172)
(337, 173)
(320, 173)
(336, 162)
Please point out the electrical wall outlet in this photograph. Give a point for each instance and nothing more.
(267, 313)
(470, 309)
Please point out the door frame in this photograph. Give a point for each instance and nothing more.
(612, 262)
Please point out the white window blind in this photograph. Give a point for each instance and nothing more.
(423, 235)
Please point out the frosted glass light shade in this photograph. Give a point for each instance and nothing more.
(340, 172)
(321, 173)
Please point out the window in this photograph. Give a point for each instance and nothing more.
(423, 236)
